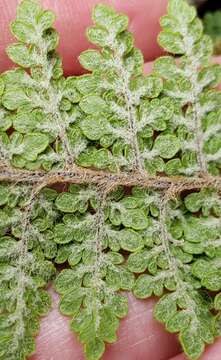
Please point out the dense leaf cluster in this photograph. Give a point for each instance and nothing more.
(110, 233)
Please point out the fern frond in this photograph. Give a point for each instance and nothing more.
(121, 107)
(171, 259)
(120, 222)
(23, 275)
(92, 247)
(191, 84)
(43, 108)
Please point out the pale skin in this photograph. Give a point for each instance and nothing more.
(140, 337)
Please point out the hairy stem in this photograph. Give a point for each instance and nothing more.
(182, 288)
(79, 175)
(131, 109)
(54, 101)
(100, 225)
(192, 69)
(22, 269)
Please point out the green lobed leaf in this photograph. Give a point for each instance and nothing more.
(167, 146)
(192, 344)
(93, 104)
(34, 144)
(71, 302)
(94, 127)
(130, 240)
(20, 55)
(181, 10)
(90, 59)
(144, 286)
(14, 97)
(94, 349)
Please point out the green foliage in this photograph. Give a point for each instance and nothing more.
(124, 113)
(42, 101)
(24, 271)
(171, 261)
(196, 120)
(206, 200)
(130, 227)
(212, 27)
(89, 289)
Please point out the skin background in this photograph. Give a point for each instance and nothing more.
(140, 337)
